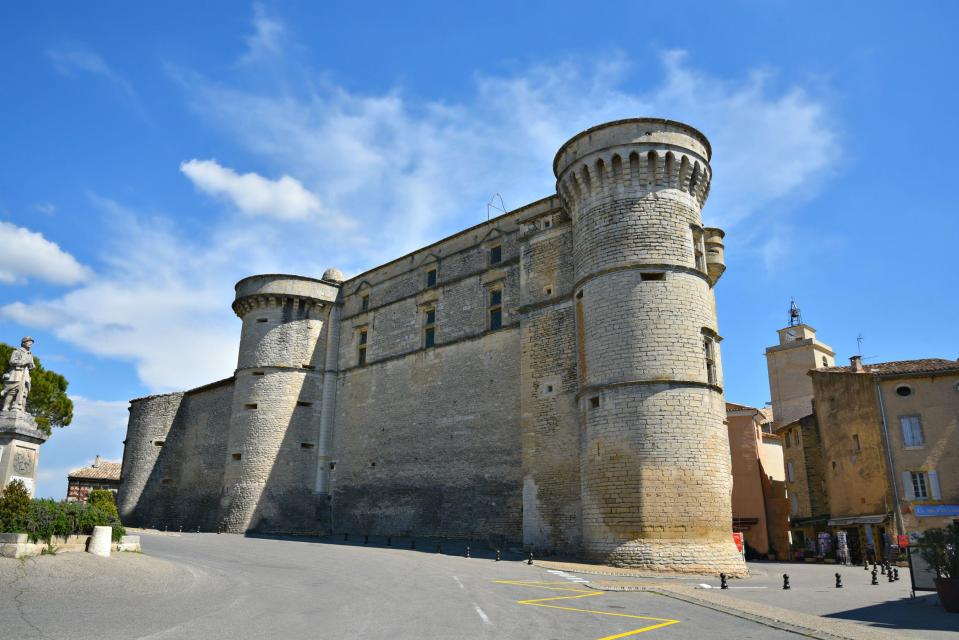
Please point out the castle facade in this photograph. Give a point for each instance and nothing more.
(549, 378)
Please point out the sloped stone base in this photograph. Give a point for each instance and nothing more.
(679, 556)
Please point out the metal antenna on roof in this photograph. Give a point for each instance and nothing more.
(859, 340)
(492, 205)
(795, 317)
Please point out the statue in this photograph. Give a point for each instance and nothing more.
(16, 381)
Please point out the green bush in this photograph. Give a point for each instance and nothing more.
(44, 519)
(105, 501)
(940, 548)
(14, 506)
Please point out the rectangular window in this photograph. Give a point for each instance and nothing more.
(365, 302)
(496, 254)
(646, 277)
(431, 278)
(855, 443)
(429, 328)
(710, 356)
(912, 431)
(361, 348)
(699, 250)
(919, 485)
(790, 472)
(495, 309)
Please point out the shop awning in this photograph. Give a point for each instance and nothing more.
(843, 522)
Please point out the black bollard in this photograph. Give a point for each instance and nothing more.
(389, 541)
(366, 539)
(530, 561)
(497, 555)
(722, 581)
(439, 548)
(889, 576)
(786, 581)
(883, 570)
(875, 580)
(865, 565)
(467, 551)
(838, 581)
(895, 572)
(181, 528)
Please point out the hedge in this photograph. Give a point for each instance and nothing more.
(43, 519)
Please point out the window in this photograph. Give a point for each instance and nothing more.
(911, 431)
(429, 328)
(919, 490)
(304, 403)
(250, 405)
(793, 505)
(790, 472)
(431, 278)
(307, 445)
(710, 357)
(788, 439)
(921, 485)
(365, 302)
(547, 223)
(645, 277)
(237, 456)
(496, 254)
(495, 309)
(699, 250)
(594, 402)
(903, 390)
(825, 363)
(361, 347)
(855, 443)
(262, 319)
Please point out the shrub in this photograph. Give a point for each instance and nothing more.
(940, 548)
(43, 519)
(14, 506)
(105, 501)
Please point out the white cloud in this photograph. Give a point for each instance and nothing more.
(110, 415)
(409, 171)
(266, 39)
(69, 61)
(47, 208)
(28, 255)
(253, 194)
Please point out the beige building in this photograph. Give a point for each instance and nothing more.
(805, 488)
(760, 507)
(102, 474)
(890, 446)
(788, 362)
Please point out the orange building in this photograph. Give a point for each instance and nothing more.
(760, 506)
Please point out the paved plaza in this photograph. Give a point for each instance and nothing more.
(228, 586)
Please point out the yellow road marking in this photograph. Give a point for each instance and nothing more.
(583, 593)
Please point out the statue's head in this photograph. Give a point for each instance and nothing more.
(26, 342)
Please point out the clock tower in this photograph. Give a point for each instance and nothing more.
(790, 387)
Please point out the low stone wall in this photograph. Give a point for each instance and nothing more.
(18, 545)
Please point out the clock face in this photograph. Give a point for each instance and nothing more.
(791, 334)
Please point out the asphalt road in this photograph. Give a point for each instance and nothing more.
(209, 586)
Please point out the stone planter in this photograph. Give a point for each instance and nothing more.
(948, 590)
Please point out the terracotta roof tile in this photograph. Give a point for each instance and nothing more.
(106, 471)
(901, 367)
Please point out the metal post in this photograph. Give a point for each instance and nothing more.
(786, 581)
(722, 581)
(838, 581)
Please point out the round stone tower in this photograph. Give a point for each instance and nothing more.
(655, 465)
(274, 425)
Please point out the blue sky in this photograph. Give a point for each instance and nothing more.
(152, 155)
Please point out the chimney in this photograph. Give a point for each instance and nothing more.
(96, 462)
(856, 363)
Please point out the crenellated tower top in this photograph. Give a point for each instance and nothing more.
(641, 155)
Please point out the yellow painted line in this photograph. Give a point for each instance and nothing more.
(583, 593)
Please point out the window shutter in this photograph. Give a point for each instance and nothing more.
(907, 485)
(934, 485)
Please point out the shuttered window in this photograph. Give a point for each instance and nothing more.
(912, 431)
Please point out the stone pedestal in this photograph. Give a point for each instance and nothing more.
(20, 442)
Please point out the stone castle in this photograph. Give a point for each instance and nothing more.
(550, 377)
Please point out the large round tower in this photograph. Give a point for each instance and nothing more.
(655, 465)
(274, 425)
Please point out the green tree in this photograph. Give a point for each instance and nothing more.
(14, 507)
(48, 401)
